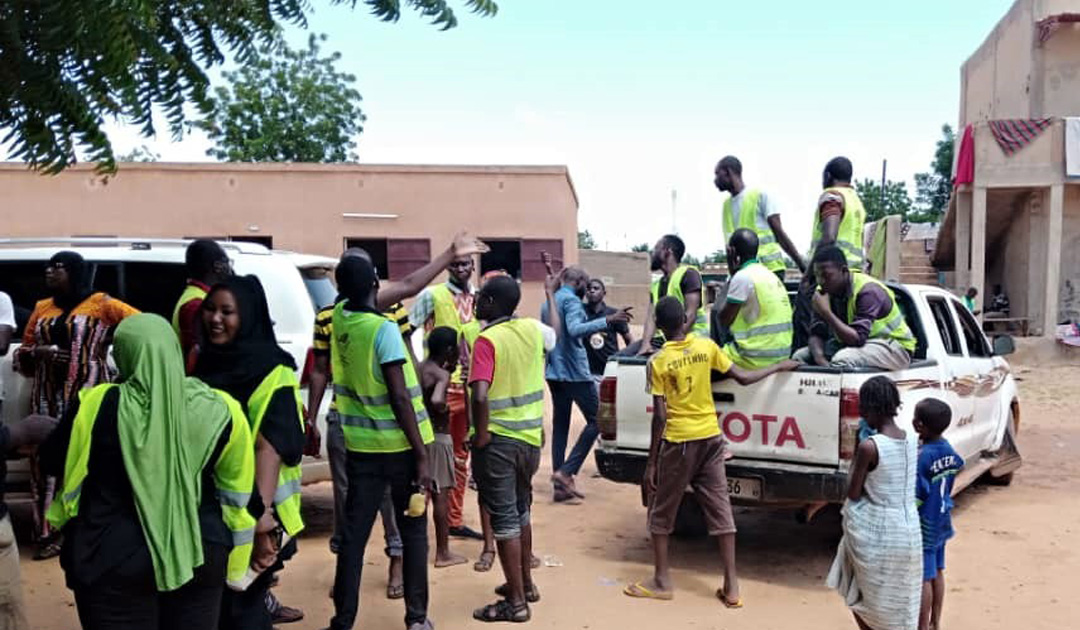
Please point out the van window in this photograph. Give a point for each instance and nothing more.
(944, 321)
(154, 287)
(320, 286)
(976, 340)
(24, 282)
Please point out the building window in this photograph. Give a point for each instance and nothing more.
(265, 241)
(394, 258)
(521, 258)
(504, 256)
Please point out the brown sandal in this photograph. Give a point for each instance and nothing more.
(485, 562)
(503, 610)
(532, 594)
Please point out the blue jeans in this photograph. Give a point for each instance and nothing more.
(565, 394)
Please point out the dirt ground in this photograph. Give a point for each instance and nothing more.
(1013, 564)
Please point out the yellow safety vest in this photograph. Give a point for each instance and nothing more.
(234, 475)
(363, 400)
(287, 495)
(768, 339)
(674, 288)
(892, 326)
(769, 252)
(516, 395)
(191, 292)
(234, 478)
(849, 236)
(446, 314)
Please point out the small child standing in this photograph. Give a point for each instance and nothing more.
(435, 373)
(938, 467)
(878, 561)
(687, 447)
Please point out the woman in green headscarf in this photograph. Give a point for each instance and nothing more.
(157, 476)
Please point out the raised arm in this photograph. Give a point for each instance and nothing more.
(393, 292)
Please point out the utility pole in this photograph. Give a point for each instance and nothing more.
(883, 165)
(674, 204)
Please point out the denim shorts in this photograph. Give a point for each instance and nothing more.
(503, 471)
(933, 562)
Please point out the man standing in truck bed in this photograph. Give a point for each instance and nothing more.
(752, 209)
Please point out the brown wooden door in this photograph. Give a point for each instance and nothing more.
(406, 255)
(532, 267)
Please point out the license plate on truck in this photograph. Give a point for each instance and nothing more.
(743, 488)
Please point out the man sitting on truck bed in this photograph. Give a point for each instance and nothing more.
(857, 322)
(757, 310)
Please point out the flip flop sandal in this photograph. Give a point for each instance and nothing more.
(485, 562)
(395, 591)
(639, 590)
(532, 594)
(503, 610)
(727, 602)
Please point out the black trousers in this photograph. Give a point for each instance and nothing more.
(370, 474)
(120, 601)
(246, 610)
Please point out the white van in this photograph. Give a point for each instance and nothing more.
(149, 274)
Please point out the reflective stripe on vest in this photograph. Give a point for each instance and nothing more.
(674, 289)
(363, 400)
(191, 292)
(234, 475)
(769, 252)
(66, 504)
(445, 313)
(892, 326)
(287, 495)
(849, 236)
(516, 395)
(234, 478)
(768, 339)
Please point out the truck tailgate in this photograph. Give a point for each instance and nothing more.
(788, 417)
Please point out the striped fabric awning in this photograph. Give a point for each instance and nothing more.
(1014, 134)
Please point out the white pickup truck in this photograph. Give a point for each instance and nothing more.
(793, 434)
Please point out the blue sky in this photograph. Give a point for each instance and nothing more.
(640, 99)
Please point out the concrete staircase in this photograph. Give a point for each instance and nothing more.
(915, 267)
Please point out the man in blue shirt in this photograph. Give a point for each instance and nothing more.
(570, 380)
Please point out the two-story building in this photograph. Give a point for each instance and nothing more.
(1014, 218)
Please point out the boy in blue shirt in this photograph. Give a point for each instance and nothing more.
(937, 470)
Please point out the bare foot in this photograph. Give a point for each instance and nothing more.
(449, 559)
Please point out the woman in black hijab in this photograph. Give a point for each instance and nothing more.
(64, 349)
(240, 355)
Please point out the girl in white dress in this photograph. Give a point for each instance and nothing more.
(878, 565)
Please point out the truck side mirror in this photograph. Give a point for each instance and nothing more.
(1004, 345)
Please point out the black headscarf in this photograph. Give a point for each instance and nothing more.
(78, 273)
(79, 289)
(240, 366)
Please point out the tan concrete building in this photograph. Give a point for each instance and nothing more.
(626, 276)
(1018, 223)
(401, 214)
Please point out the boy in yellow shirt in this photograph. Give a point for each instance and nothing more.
(687, 447)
